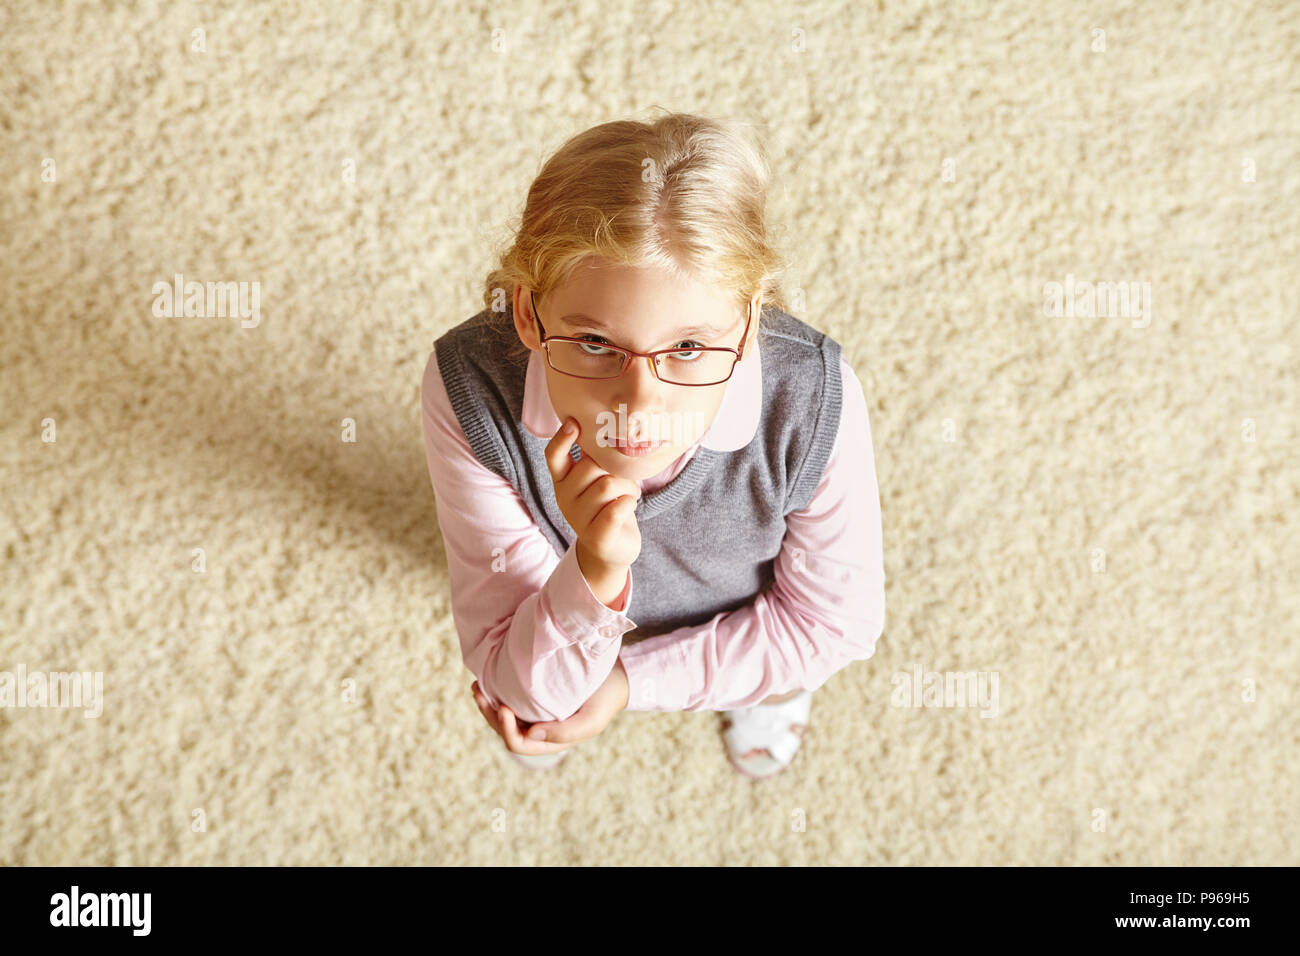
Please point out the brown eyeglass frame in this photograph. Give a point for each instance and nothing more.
(629, 354)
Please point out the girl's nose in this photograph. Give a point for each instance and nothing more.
(640, 378)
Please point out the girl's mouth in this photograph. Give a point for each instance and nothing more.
(637, 449)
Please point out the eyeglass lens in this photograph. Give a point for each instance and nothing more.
(694, 367)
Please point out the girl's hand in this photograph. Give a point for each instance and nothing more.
(590, 719)
(600, 507)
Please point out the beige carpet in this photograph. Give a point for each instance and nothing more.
(1100, 511)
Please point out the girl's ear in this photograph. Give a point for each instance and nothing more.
(525, 325)
(755, 311)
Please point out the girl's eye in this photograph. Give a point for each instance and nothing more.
(684, 344)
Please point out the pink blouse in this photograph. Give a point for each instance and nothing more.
(537, 638)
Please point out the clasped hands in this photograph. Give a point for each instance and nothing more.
(589, 720)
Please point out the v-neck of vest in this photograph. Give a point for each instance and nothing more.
(676, 490)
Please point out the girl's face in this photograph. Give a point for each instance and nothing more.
(645, 310)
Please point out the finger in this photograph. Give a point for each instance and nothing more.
(580, 489)
(517, 743)
(558, 731)
(606, 499)
(481, 699)
(610, 487)
(510, 730)
(557, 451)
(580, 476)
(545, 731)
(564, 733)
(612, 513)
(489, 713)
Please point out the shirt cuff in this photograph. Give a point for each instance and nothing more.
(577, 612)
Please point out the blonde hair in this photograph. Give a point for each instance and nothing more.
(684, 193)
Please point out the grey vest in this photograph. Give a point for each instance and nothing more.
(710, 536)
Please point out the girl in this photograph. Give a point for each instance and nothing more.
(707, 537)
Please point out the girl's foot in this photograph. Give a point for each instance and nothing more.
(762, 740)
(539, 761)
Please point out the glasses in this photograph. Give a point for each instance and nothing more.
(585, 359)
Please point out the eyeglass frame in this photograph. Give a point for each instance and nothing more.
(629, 354)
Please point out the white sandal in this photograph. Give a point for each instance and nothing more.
(539, 761)
(763, 739)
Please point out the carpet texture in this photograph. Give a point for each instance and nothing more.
(1099, 511)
